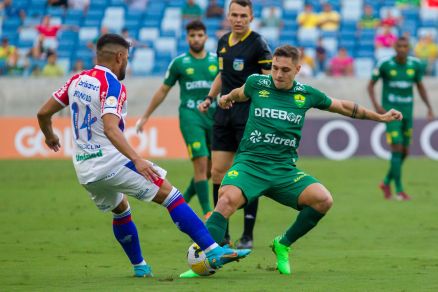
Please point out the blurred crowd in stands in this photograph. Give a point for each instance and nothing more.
(337, 37)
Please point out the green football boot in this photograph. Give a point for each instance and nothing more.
(189, 274)
(282, 253)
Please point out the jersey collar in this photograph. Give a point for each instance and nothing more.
(102, 68)
(241, 40)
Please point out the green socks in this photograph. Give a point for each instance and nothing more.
(190, 191)
(395, 171)
(217, 225)
(306, 220)
(201, 188)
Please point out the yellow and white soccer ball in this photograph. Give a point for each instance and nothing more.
(198, 262)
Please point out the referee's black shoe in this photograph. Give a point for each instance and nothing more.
(244, 242)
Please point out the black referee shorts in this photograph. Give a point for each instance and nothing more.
(229, 126)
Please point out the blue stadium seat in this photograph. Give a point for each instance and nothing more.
(11, 23)
(55, 11)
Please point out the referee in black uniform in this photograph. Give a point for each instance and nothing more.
(241, 53)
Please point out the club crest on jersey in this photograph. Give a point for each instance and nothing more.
(190, 71)
(233, 174)
(264, 93)
(300, 100)
(212, 69)
(238, 64)
(111, 101)
(410, 72)
(393, 72)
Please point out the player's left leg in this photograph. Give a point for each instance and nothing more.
(407, 136)
(312, 199)
(200, 166)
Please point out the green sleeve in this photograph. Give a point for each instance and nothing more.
(172, 74)
(377, 72)
(250, 86)
(419, 72)
(320, 100)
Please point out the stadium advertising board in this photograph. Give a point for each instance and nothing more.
(333, 138)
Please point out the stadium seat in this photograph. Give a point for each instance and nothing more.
(114, 18)
(307, 35)
(148, 34)
(363, 67)
(270, 34)
(330, 44)
(28, 34)
(433, 31)
(143, 61)
(88, 34)
(166, 44)
(296, 5)
(383, 53)
(64, 63)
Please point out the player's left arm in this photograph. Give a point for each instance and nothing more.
(351, 109)
(423, 94)
(236, 95)
(44, 116)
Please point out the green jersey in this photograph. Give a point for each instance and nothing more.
(398, 80)
(195, 77)
(276, 117)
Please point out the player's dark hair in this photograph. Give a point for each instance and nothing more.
(196, 25)
(288, 52)
(111, 38)
(243, 3)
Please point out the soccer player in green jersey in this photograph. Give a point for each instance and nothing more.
(195, 72)
(265, 161)
(398, 74)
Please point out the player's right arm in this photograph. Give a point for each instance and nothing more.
(157, 99)
(115, 135)
(236, 95)
(371, 93)
(44, 116)
(214, 91)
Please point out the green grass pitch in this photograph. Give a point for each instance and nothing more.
(53, 238)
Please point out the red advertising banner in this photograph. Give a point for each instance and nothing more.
(21, 138)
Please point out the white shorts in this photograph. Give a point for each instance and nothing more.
(108, 192)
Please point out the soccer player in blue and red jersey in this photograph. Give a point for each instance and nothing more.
(108, 167)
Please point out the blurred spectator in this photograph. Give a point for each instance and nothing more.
(225, 27)
(52, 69)
(10, 10)
(214, 10)
(427, 51)
(368, 20)
(389, 20)
(404, 4)
(79, 4)
(321, 57)
(191, 10)
(15, 67)
(92, 44)
(48, 33)
(328, 19)
(137, 4)
(386, 38)
(341, 64)
(78, 67)
(35, 61)
(6, 53)
(307, 64)
(273, 19)
(308, 18)
(60, 3)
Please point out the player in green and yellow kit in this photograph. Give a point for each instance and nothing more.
(265, 163)
(398, 74)
(195, 72)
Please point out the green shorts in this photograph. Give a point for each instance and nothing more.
(399, 132)
(283, 187)
(197, 135)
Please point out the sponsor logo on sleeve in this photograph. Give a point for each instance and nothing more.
(111, 102)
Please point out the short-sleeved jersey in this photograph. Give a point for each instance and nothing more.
(195, 77)
(398, 80)
(276, 117)
(237, 62)
(90, 95)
